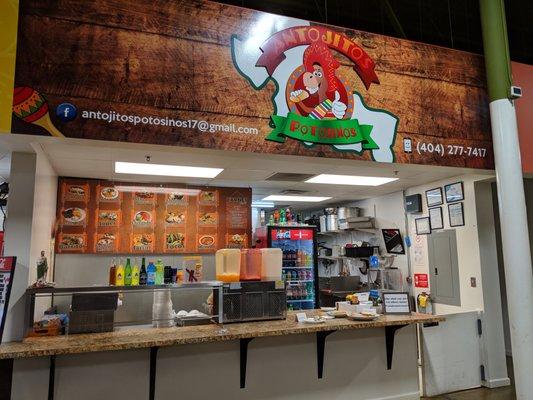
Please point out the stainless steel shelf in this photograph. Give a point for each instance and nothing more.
(118, 289)
(333, 233)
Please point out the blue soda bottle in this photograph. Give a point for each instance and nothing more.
(151, 273)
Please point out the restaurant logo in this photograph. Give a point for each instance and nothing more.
(314, 102)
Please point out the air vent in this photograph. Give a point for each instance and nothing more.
(288, 177)
(293, 192)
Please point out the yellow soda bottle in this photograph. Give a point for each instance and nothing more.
(135, 272)
(119, 274)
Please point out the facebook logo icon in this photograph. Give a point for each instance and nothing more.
(66, 112)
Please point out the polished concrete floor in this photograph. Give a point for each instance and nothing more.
(504, 393)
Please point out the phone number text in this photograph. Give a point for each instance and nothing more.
(450, 150)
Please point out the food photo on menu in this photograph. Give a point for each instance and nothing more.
(73, 241)
(236, 240)
(108, 218)
(207, 218)
(144, 197)
(106, 242)
(142, 218)
(175, 218)
(74, 216)
(175, 241)
(207, 241)
(109, 193)
(208, 198)
(176, 198)
(142, 242)
(76, 193)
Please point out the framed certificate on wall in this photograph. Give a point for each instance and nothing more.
(456, 214)
(435, 218)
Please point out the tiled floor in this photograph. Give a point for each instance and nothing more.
(504, 393)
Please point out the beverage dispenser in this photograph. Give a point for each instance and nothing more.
(228, 265)
(251, 263)
(272, 259)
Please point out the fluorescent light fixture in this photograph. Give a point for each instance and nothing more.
(156, 189)
(122, 167)
(262, 204)
(350, 180)
(309, 199)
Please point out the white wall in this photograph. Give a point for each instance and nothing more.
(44, 213)
(468, 249)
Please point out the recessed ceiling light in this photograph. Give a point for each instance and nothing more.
(350, 180)
(262, 204)
(309, 199)
(122, 167)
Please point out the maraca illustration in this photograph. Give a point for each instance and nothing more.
(30, 106)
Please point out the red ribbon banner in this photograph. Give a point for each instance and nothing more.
(274, 48)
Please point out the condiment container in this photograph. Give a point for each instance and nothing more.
(251, 262)
(228, 265)
(271, 264)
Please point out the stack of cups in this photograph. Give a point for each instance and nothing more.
(162, 313)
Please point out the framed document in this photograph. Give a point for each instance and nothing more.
(434, 197)
(454, 192)
(423, 226)
(435, 218)
(396, 303)
(456, 214)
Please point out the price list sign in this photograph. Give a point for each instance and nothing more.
(7, 271)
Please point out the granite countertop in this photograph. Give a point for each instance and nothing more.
(137, 338)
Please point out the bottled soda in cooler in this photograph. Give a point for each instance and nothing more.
(302, 275)
(296, 294)
(304, 293)
(289, 293)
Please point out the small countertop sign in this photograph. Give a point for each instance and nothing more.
(301, 317)
(396, 303)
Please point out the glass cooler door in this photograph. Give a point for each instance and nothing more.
(299, 265)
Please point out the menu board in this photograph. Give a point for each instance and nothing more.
(96, 216)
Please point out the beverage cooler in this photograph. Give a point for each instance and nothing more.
(300, 264)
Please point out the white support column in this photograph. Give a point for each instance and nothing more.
(18, 238)
(515, 242)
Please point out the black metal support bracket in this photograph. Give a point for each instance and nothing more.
(153, 371)
(390, 332)
(244, 359)
(320, 346)
(51, 377)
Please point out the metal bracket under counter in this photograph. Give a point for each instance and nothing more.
(390, 333)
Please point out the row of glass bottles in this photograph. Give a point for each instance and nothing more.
(128, 275)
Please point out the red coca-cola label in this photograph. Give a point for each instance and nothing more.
(292, 234)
